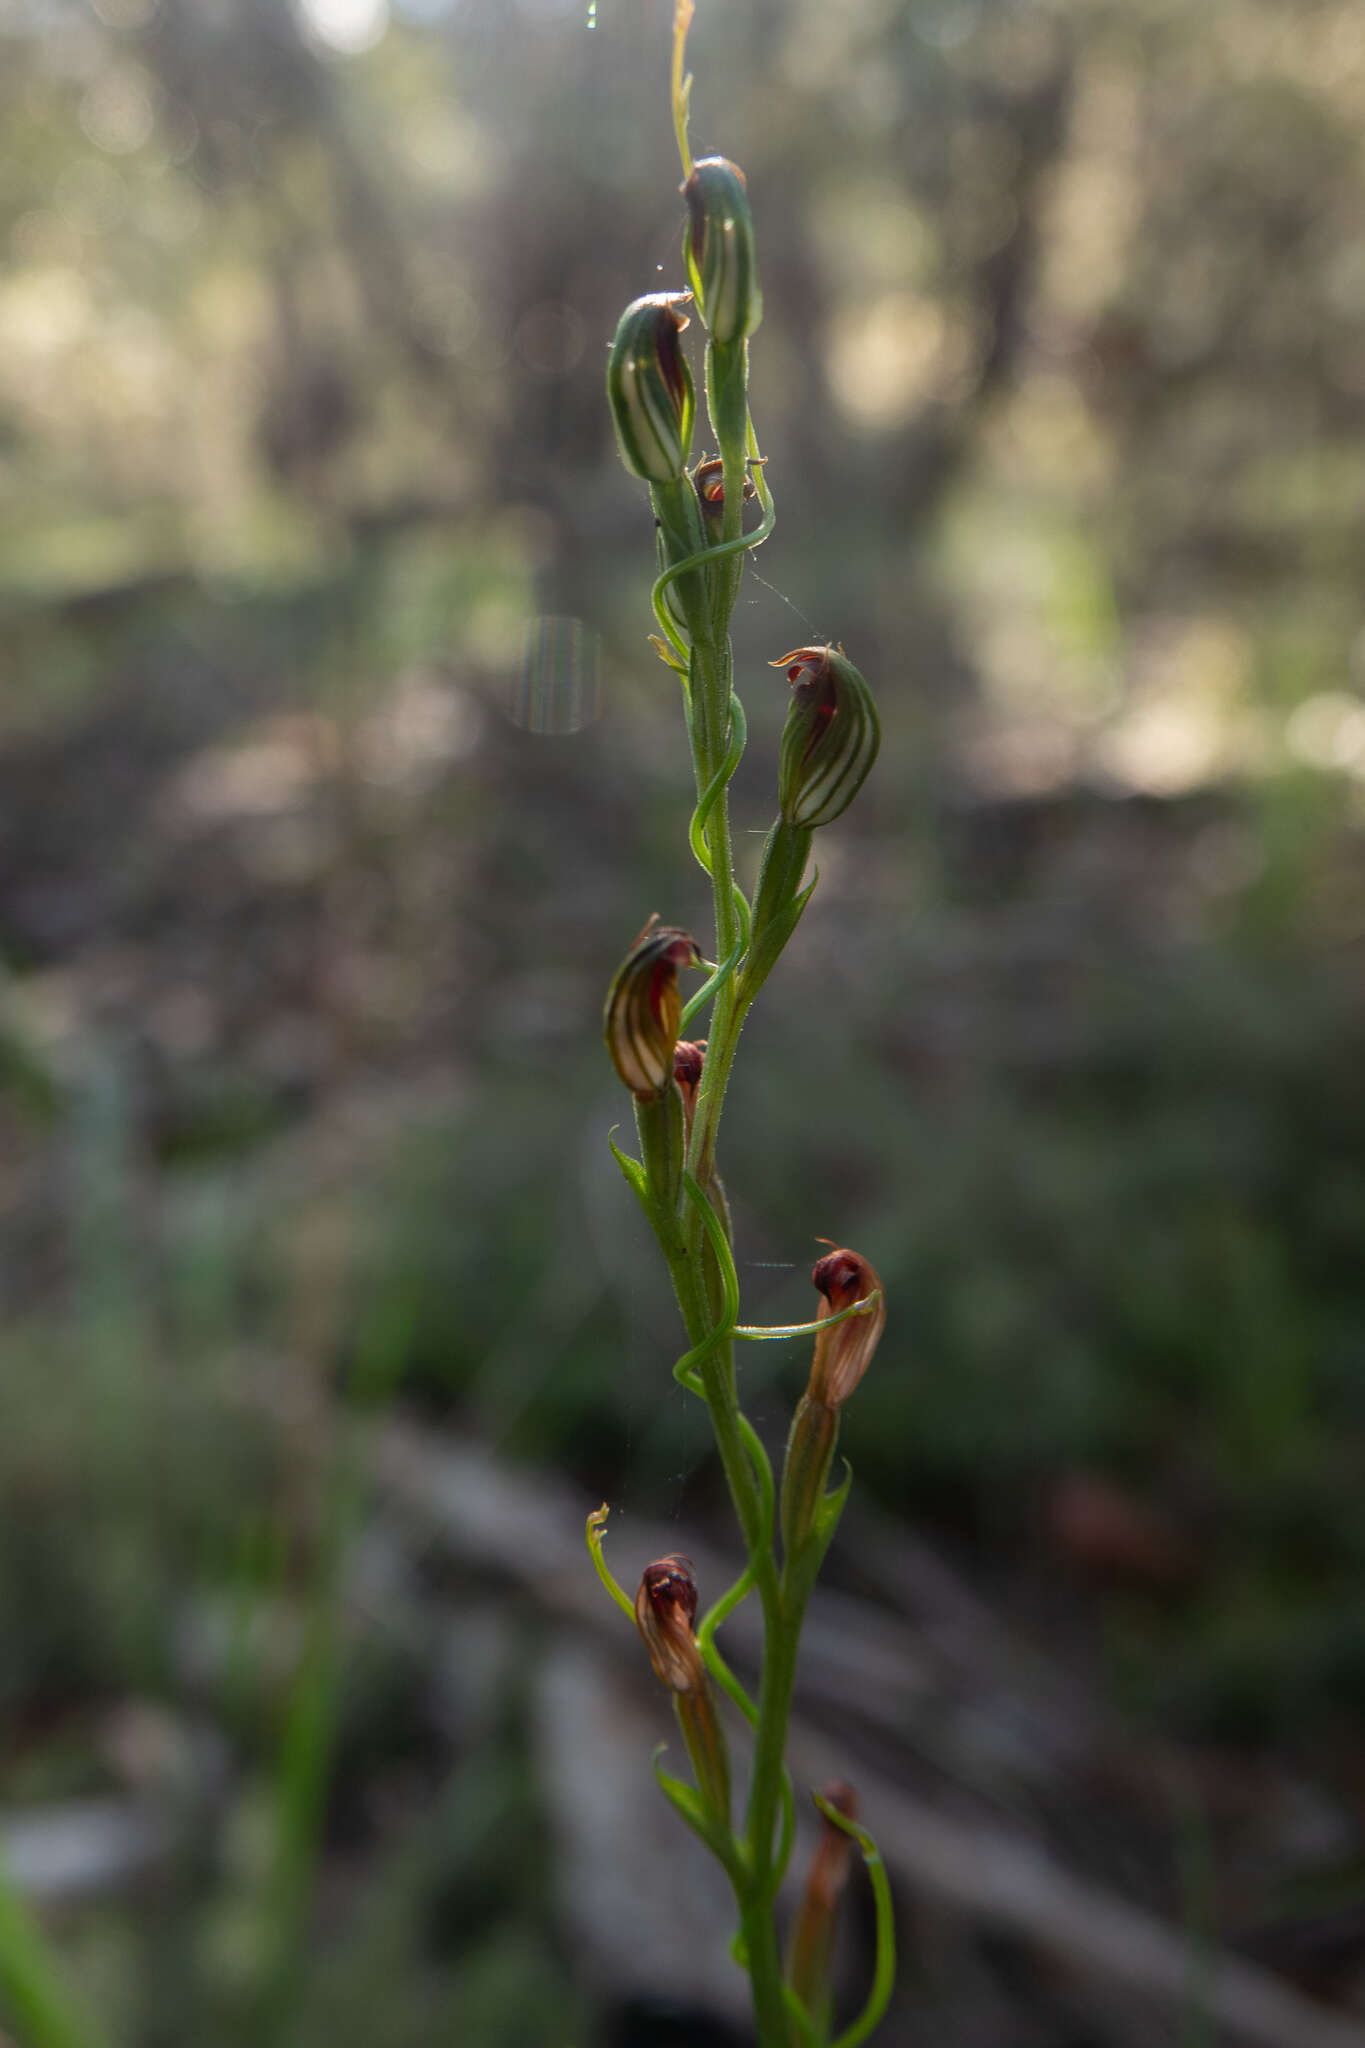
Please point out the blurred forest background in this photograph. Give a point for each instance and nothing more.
(335, 777)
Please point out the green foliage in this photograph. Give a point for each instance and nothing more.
(300, 421)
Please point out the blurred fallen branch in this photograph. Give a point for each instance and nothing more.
(992, 1875)
(523, 1529)
(58, 1855)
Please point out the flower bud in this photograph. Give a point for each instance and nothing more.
(843, 1351)
(830, 739)
(709, 478)
(649, 388)
(718, 248)
(688, 1059)
(644, 1008)
(665, 1609)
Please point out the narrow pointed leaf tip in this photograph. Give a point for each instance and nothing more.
(649, 388)
(643, 1013)
(830, 739)
(597, 1529)
(718, 248)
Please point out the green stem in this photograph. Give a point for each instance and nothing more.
(764, 1962)
(711, 687)
(680, 527)
(756, 1884)
(781, 1635)
(711, 683)
(758, 1925)
(716, 1371)
(696, 1243)
(35, 1987)
(727, 398)
(782, 1638)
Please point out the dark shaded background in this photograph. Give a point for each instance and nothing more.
(335, 777)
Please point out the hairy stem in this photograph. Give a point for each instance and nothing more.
(710, 688)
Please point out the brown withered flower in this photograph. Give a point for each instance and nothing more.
(835, 1850)
(644, 1008)
(665, 1609)
(812, 1939)
(844, 1351)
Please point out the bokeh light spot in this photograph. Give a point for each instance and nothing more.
(1328, 731)
(126, 13)
(348, 26)
(550, 337)
(559, 689)
(117, 112)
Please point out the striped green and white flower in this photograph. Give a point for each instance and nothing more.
(643, 1013)
(649, 388)
(718, 248)
(830, 739)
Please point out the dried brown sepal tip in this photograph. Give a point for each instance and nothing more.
(830, 739)
(643, 1012)
(843, 1351)
(665, 1609)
